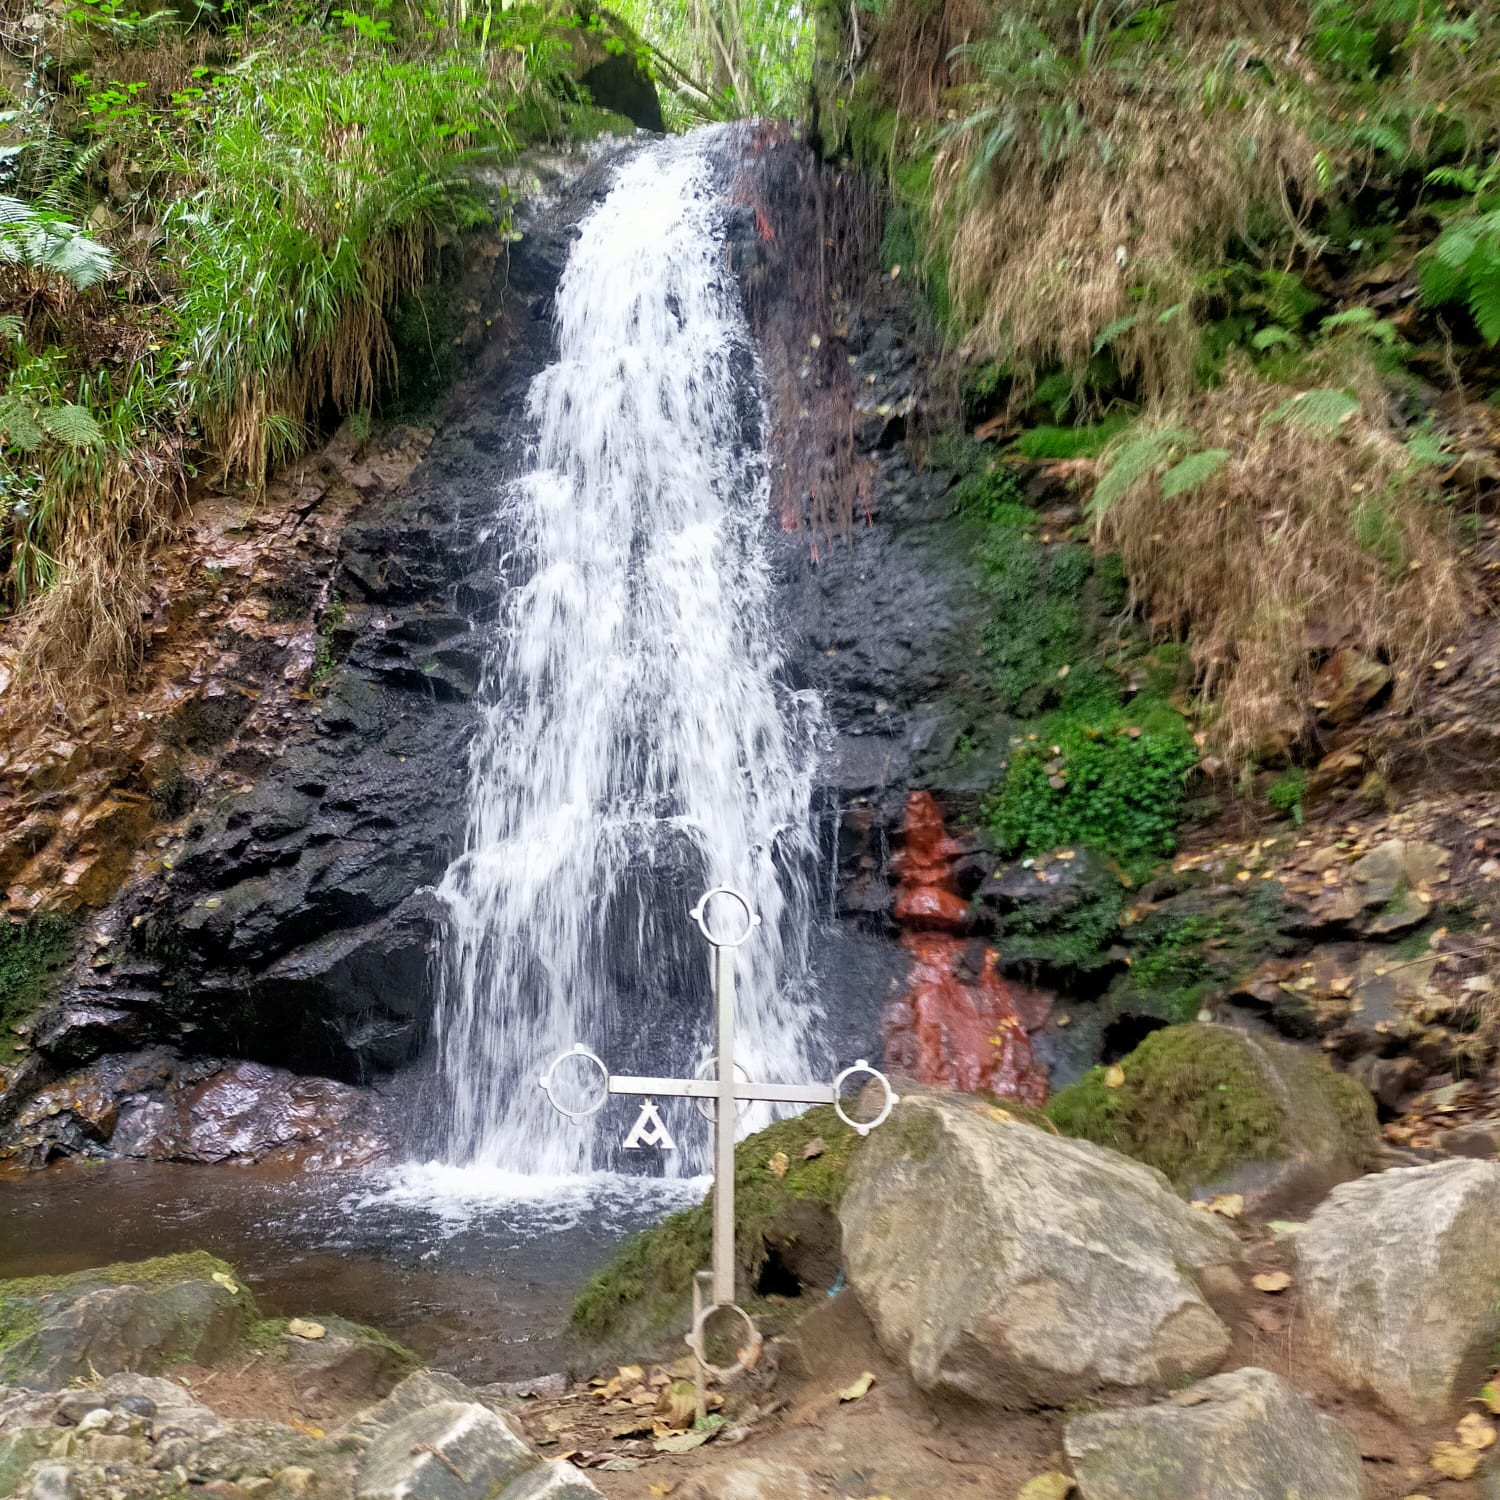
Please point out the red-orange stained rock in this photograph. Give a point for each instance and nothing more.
(960, 1024)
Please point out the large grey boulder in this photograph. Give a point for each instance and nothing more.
(1017, 1268)
(140, 1316)
(1243, 1436)
(1399, 1280)
(451, 1450)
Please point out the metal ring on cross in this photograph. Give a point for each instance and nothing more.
(700, 915)
(709, 1068)
(747, 1355)
(891, 1097)
(577, 1050)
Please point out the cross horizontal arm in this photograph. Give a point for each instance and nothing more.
(708, 1088)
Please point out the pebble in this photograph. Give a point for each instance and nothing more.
(54, 1482)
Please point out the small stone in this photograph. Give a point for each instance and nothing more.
(94, 1421)
(296, 1480)
(54, 1482)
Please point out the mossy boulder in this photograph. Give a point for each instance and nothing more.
(1218, 1110)
(141, 1316)
(787, 1237)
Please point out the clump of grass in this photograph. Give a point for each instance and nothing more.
(1253, 510)
(319, 195)
(1100, 159)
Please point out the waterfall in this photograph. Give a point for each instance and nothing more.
(638, 741)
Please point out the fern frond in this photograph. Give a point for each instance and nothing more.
(72, 426)
(1192, 471)
(1323, 410)
(1484, 299)
(1134, 459)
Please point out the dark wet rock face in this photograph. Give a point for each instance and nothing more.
(153, 1106)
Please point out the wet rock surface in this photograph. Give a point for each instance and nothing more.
(156, 1106)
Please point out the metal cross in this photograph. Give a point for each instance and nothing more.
(725, 1089)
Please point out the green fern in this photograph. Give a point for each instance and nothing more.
(1463, 267)
(1322, 410)
(72, 426)
(42, 241)
(1192, 471)
(1134, 459)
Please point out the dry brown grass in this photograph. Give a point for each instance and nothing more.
(1119, 185)
(1303, 538)
(85, 630)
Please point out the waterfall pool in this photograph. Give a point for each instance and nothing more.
(475, 1274)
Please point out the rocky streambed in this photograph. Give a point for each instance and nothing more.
(1019, 1313)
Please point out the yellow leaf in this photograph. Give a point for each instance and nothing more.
(227, 1282)
(1271, 1281)
(1490, 1395)
(778, 1164)
(1474, 1432)
(861, 1387)
(305, 1328)
(1453, 1461)
(664, 1488)
(1114, 1076)
(1001, 1116)
(629, 1375)
(677, 1405)
(1228, 1205)
(1053, 1485)
(308, 1429)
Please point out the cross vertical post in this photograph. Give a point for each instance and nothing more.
(724, 1128)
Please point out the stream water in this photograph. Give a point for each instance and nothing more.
(638, 742)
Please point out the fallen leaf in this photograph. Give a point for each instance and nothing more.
(307, 1429)
(861, 1387)
(1271, 1281)
(622, 1465)
(1114, 1076)
(1454, 1461)
(1474, 1432)
(227, 1282)
(1054, 1485)
(778, 1164)
(1001, 1116)
(678, 1404)
(665, 1488)
(629, 1374)
(685, 1442)
(305, 1328)
(815, 1147)
(1227, 1205)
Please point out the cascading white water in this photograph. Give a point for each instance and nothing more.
(638, 743)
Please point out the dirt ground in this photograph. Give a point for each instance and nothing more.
(893, 1444)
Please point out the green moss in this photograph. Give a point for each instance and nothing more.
(1193, 1104)
(1073, 939)
(31, 954)
(647, 1286)
(22, 1298)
